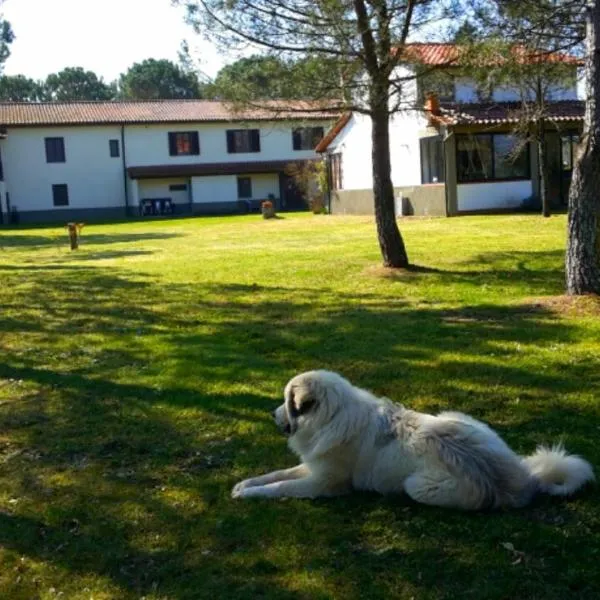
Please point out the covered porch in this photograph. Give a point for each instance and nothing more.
(212, 188)
(487, 168)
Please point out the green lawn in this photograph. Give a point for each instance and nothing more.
(137, 376)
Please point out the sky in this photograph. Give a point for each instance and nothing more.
(104, 36)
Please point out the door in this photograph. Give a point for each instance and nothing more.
(291, 196)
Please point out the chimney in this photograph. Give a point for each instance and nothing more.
(432, 103)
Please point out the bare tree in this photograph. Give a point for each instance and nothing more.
(365, 40)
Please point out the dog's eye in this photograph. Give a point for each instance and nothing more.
(306, 406)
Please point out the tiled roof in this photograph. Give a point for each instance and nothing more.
(333, 132)
(496, 113)
(157, 111)
(446, 54)
(432, 54)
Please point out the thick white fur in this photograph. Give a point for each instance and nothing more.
(349, 439)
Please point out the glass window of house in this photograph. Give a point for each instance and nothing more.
(511, 158)
(474, 158)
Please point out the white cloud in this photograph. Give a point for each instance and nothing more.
(105, 36)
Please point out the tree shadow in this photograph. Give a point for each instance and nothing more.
(57, 237)
(120, 451)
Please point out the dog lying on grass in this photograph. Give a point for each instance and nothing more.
(348, 440)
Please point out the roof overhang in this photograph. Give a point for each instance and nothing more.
(333, 132)
(199, 170)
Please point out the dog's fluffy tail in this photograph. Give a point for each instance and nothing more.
(557, 472)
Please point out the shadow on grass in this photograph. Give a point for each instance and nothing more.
(134, 407)
(542, 271)
(58, 237)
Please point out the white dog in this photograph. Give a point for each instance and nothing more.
(350, 440)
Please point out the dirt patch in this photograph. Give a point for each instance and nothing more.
(575, 306)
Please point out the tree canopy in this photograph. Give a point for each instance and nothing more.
(263, 77)
(75, 83)
(18, 88)
(7, 37)
(158, 79)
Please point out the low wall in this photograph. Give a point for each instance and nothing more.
(418, 200)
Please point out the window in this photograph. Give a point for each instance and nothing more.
(60, 194)
(244, 187)
(243, 140)
(55, 149)
(178, 187)
(490, 157)
(114, 148)
(184, 143)
(506, 164)
(432, 160)
(568, 148)
(306, 138)
(335, 171)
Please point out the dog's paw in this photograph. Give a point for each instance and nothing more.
(238, 488)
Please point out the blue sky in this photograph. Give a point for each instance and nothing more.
(104, 36)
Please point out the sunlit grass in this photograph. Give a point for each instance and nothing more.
(137, 376)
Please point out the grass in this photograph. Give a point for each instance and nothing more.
(137, 376)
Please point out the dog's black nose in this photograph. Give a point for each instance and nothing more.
(273, 413)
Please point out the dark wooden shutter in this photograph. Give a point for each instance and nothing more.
(297, 139)
(172, 144)
(230, 141)
(195, 142)
(60, 194)
(255, 140)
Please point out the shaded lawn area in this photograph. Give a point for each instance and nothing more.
(137, 376)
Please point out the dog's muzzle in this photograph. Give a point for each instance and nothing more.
(285, 428)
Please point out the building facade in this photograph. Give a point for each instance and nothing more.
(453, 149)
(109, 160)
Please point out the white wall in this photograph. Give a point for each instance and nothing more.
(218, 188)
(159, 188)
(354, 143)
(263, 185)
(405, 148)
(149, 144)
(499, 194)
(94, 178)
(466, 92)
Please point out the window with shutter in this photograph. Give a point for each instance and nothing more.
(306, 138)
(55, 149)
(60, 194)
(243, 140)
(184, 143)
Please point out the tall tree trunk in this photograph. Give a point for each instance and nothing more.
(543, 167)
(388, 234)
(583, 234)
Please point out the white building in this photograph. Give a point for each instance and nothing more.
(456, 155)
(85, 161)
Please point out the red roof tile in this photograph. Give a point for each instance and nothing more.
(447, 54)
(333, 132)
(497, 113)
(153, 111)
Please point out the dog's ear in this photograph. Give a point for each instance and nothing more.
(304, 399)
(299, 402)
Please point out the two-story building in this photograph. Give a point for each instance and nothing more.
(83, 161)
(454, 151)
